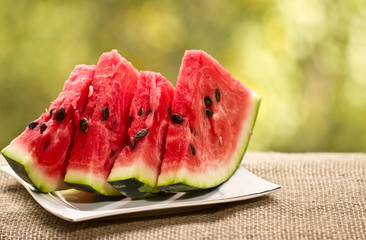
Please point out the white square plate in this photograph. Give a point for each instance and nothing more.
(76, 206)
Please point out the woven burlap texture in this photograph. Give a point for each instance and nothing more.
(323, 196)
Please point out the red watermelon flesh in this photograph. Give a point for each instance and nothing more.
(136, 169)
(212, 121)
(102, 131)
(39, 155)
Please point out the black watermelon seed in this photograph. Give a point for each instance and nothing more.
(131, 119)
(217, 94)
(140, 134)
(51, 112)
(133, 144)
(177, 119)
(209, 112)
(170, 112)
(141, 112)
(150, 112)
(105, 113)
(43, 127)
(84, 125)
(60, 115)
(193, 151)
(32, 125)
(208, 101)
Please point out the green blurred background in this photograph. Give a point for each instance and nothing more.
(306, 58)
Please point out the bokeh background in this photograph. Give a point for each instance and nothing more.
(306, 58)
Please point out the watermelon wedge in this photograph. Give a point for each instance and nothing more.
(212, 120)
(136, 170)
(102, 130)
(39, 155)
(115, 131)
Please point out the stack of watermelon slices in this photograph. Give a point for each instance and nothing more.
(116, 131)
(136, 170)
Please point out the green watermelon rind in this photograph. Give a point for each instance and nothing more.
(21, 163)
(126, 179)
(90, 183)
(187, 182)
(136, 189)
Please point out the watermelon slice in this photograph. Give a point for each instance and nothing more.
(39, 155)
(212, 120)
(102, 131)
(137, 168)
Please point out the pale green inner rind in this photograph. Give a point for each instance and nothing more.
(214, 177)
(17, 154)
(138, 170)
(99, 184)
(39, 179)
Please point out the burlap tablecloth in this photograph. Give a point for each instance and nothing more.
(323, 196)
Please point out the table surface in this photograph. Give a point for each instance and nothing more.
(323, 196)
